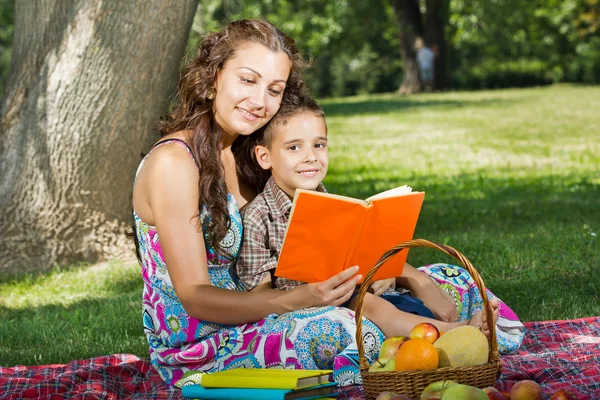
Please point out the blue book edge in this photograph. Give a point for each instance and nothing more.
(198, 392)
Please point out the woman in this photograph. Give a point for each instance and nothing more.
(188, 192)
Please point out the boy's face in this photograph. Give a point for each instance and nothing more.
(298, 156)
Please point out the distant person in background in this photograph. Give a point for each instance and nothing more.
(425, 58)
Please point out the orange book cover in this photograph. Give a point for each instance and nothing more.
(328, 233)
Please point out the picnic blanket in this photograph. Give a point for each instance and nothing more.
(557, 354)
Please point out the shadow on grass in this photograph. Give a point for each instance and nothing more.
(531, 239)
(396, 104)
(471, 200)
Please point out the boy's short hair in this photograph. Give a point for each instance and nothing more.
(304, 105)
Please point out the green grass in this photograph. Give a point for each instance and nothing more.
(512, 180)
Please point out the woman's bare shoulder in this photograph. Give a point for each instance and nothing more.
(171, 155)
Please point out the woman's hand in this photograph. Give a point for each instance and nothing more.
(335, 290)
(379, 287)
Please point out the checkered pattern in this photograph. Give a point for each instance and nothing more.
(118, 376)
(557, 354)
(265, 223)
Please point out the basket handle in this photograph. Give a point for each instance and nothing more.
(364, 364)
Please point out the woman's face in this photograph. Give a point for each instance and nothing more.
(249, 89)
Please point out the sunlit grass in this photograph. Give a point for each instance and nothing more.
(512, 180)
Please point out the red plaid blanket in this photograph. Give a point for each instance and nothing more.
(557, 354)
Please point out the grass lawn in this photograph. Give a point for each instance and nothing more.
(512, 180)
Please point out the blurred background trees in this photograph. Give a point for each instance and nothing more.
(357, 47)
(356, 44)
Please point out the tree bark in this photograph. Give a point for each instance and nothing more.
(407, 16)
(436, 20)
(87, 83)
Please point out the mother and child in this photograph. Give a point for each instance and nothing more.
(242, 136)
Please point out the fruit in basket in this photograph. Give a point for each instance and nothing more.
(493, 393)
(383, 364)
(526, 390)
(416, 354)
(463, 392)
(390, 346)
(434, 390)
(391, 396)
(562, 394)
(426, 331)
(465, 346)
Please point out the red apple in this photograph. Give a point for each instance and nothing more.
(493, 393)
(506, 394)
(562, 394)
(390, 346)
(526, 390)
(426, 331)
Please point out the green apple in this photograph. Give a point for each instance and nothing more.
(383, 364)
(434, 390)
(464, 392)
(390, 346)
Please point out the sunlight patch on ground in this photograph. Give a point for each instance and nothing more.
(69, 286)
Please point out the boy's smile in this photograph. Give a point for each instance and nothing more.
(298, 157)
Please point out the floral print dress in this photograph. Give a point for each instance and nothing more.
(182, 348)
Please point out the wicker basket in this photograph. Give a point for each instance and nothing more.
(412, 383)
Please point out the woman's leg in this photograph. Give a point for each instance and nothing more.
(463, 289)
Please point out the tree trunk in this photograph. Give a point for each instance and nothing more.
(88, 81)
(407, 16)
(436, 20)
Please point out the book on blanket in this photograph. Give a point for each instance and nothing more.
(267, 378)
(199, 392)
(328, 233)
(252, 383)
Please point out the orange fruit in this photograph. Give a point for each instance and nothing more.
(416, 354)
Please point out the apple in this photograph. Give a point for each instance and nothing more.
(562, 394)
(506, 394)
(493, 393)
(463, 392)
(526, 390)
(391, 396)
(426, 331)
(390, 346)
(383, 364)
(434, 390)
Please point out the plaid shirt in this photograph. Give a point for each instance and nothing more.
(265, 223)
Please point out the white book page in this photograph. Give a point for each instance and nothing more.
(395, 192)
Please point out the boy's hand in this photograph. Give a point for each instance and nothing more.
(379, 287)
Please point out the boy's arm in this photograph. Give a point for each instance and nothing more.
(255, 261)
(427, 290)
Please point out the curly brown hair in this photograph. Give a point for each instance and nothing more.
(193, 110)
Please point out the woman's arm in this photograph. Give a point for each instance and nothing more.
(171, 188)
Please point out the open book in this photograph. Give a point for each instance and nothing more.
(328, 233)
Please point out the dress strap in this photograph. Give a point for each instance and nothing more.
(172, 140)
(157, 144)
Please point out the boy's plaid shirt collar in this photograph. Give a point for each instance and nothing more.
(278, 201)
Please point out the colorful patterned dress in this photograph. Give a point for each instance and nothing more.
(182, 348)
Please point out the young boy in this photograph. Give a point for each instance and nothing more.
(293, 147)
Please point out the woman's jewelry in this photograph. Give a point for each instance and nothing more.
(212, 92)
